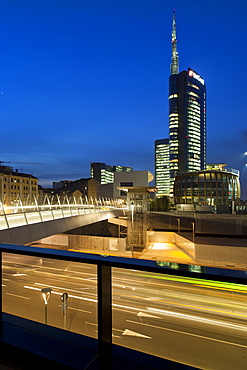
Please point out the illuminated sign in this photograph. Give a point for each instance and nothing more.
(196, 76)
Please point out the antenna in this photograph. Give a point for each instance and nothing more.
(174, 63)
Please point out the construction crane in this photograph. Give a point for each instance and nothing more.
(2, 162)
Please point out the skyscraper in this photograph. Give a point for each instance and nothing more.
(162, 174)
(187, 117)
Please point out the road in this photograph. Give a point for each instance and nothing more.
(199, 323)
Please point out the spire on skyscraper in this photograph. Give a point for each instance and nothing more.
(174, 64)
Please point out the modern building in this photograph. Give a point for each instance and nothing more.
(104, 173)
(215, 166)
(209, 187)
(187, 118)
(15, 185)
(130, 179)
(162, 173)
(125, 179)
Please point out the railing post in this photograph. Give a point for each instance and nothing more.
(5, 216)
(81, 209)
(179, 223)
(88, 205)
(23, 210)
(104, 307)
(69, 205)
(50, 204)
(38, 208)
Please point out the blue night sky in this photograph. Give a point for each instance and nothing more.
(87, 81)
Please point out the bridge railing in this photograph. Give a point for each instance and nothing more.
(39, 209)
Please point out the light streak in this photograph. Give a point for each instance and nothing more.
(199, 282)
(18, 296)
(200, 319)
(188, 334)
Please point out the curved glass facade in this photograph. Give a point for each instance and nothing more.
(207, 187)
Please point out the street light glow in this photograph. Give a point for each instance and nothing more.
(46, 293)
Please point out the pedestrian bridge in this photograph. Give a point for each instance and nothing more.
(25, 223)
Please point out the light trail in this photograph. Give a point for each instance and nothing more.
(62, 288)
(201, 282)
(196, 318)
(185, 305)
(18, 296)
(77, 309)
(189, 334)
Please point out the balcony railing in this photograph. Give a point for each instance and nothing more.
(18, 331)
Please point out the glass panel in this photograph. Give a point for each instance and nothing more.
(25, 276)
(176, 317)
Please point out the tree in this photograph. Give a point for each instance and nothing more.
(161, 204)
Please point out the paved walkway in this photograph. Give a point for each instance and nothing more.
(166, 252)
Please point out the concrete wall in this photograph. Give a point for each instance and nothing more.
(221, 224)
(186, 245)
(59, 239)
(80, 242)
(170, 237)
(204, 253)
(222, 255)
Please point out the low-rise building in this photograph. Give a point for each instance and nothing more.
(82, 187)
(16, 185)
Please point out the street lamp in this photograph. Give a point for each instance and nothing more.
(46, 293)
(64, 300)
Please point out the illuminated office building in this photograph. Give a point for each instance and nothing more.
(187, 118)
(104, 173)
(209, 187)
(162, 174)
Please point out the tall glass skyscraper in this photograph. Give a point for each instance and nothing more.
(162, 174)
(187, 118)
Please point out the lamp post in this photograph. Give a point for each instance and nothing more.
(64, 300)
(46, 293)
